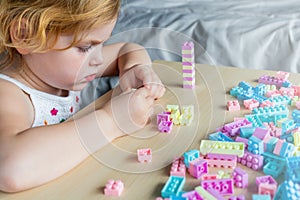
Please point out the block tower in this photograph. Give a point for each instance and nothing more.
(188, 65)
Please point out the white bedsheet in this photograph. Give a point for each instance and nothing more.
(242, 33)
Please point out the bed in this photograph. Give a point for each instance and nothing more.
(257, 34)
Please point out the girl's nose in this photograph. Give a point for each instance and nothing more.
(96, 57)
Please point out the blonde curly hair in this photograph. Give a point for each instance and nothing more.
(35, 20)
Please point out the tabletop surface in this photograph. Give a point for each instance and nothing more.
(145, 180)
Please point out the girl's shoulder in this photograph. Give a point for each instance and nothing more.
(16, 110)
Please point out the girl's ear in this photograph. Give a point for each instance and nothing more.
(18, 34)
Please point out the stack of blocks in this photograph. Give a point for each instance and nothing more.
(188, 65)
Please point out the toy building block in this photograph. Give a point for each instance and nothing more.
(221, 160)
(190, 155)
(279, 100)
(266, 103)
(223, 186)
(247, 132)
(288, 190)
(204, 194)
(240, 197)
(198, 167)
(267, 189)
(233, 105)
(187, 115)
(232, 148)
(165, 126)
(114, 188)
(250, 104)
(234, 127)
(164, 116)
(188, 65)
(296, 136)
(240, 178)
(255, 145)
(178, 168)
(269, 80)
(252, 161)
(296, 116)
(266, 185)
(265, 179)
(261, 197)
(273, 130)
(219, 136)
(173, 186)
(296, 90)
(192, 195)
(144, 155)
(260, 89)
(282, 75)
(293, 168)
(243, 140)
(175, 113)
(270, 143)
(246, 86)
(261, 133)
(290, 92)
(274, 169)
(255, 120)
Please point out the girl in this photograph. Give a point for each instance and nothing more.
(50, 50)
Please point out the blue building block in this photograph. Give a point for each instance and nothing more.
(273, 169)
(270, 145)
(287, 150)
(261, 197)
(293, 169)
(190, 155)
(255, 145)
(219, 136)
(260, 89)
(173, 186)
(246, 86)
(177, 198)
(247, 132)
(254, 119)
(288, 190)
(296, 116)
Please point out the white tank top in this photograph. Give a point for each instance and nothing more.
(48, 108)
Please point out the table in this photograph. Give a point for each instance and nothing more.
(119, 160)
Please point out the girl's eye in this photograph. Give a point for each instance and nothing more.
(85, 48)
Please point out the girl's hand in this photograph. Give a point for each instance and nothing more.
(142, 76)
(131, 110)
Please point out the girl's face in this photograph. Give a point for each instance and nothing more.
(73, 68)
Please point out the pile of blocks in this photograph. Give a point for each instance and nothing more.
(266, 140)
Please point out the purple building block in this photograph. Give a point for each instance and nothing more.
(240, 178)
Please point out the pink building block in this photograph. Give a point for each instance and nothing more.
(296, 90)
(298, 105)
(178, 168)
(274, 131)
(222, 186)
(240, 178)
(282, 75)
(287, 91)
(221, 160)
(164, 116)
(250, 104)
(265, 179)
(278, 147)
(198, 167)
(266, 103)
(165, 126)
(114, 188)
(266, 185)
(240, 197)
(261, 133)
(144, 155)
(251, 160)
(267, 189)
(233, 105)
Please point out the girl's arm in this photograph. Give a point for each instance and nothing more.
(33, 156)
